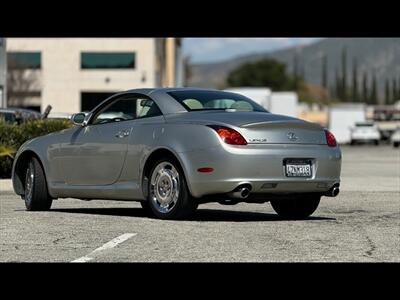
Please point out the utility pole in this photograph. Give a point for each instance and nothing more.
(3, 73)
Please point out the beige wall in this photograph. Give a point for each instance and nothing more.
(62, 80)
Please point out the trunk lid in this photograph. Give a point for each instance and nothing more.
(258, 127)
(283, 132)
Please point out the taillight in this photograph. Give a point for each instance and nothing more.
(330, 138)
(229, 135)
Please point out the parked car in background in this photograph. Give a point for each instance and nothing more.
(8, 116)
(395, 138)
(365, 132)
(18, 115)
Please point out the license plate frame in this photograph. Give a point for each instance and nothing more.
(292, 165)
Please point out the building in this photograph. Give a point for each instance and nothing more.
(3, 73)
(75, 74)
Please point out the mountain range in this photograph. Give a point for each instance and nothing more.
(379, 56)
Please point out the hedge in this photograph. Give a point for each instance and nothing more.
(13, 136)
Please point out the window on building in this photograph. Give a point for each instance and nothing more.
(90, 100)
(24, 60)
(108, 60)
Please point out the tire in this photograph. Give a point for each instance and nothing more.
(376, 142)
(168, 194)
(297, 208)
(146, 206)
(36, 194)
(396, 144)
(352, 143)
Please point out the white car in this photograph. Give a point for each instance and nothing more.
(395, 138)
(364, 132)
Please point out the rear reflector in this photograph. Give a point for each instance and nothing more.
(205, 170)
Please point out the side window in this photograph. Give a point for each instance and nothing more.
(127, 108)
(120, 110)
(147, 108)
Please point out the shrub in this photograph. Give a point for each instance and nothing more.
(13, 136)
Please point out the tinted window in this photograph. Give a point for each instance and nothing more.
(215, 100)
(24, 60)
(364, 125)
(109, 60)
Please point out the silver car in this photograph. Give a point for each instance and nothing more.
(175, 148)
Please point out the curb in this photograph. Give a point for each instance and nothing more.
(6, 185)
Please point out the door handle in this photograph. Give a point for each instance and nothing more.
(122, 134)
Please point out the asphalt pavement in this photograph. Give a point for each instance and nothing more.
(362, 224)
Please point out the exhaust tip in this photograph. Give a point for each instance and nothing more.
(245, 192)
(333, 192)
(241, 192)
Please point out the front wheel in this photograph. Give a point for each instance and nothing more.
(296, 208)
(396, 144)
(36, 195)
(169, 197)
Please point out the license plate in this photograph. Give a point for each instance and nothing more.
(298, 170)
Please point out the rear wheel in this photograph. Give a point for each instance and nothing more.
(169, 197)
(36, 194)
(297, 208)
(396, 144)
(376, 142)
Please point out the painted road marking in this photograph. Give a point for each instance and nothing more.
(111, 244)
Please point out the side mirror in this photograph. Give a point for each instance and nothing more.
(78, 119)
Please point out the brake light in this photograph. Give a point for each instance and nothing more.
(229, 135)
(330, 138)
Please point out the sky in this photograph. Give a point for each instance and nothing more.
(201, 50)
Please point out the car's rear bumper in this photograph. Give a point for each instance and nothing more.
(261, 166)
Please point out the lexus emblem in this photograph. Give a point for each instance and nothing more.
(292, 136)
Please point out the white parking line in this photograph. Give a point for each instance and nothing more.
(111, 244)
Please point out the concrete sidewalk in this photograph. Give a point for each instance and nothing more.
(6, 185)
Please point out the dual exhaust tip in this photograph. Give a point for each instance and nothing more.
(243, 192)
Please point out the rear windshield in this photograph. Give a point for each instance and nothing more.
(215, 100)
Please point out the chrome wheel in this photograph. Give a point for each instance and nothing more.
(29, 181)
(164, 187)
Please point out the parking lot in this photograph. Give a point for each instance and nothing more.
(362, 224)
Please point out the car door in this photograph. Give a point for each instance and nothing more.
(96, 153)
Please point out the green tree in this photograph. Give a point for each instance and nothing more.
(365, 92)
(394, 91)
(355, 94)
(324, 75)
(387, 92)
(374, 93)
(187, 70)
(344, 75)
(266, 72)
(295, 71)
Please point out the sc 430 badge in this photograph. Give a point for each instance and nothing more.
(255, 141)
